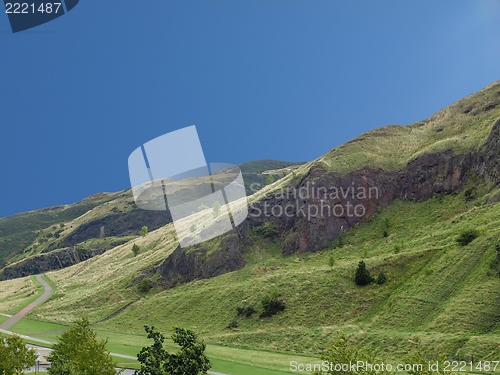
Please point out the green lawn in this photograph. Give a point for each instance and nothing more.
(3, 318)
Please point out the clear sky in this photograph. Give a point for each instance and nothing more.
(286, 80)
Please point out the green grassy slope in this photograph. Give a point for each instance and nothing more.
(19, 231)
(463, 126)
(441, 292)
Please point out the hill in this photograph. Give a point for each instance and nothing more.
(432, 185)
(57, 237)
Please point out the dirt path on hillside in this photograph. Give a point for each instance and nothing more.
(47, 291)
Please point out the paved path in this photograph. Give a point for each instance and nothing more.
(47, 291)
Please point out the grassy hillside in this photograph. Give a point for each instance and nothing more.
(443, 293)
(40, 231)
(19, 231)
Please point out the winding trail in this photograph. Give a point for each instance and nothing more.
(47, 291)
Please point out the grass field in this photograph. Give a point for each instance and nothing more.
(18, 294)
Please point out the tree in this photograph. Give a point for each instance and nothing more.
(79, 352)
(15, 356)
(189, 360)
(363, 276)
(269, 179)
(145, 285)
(382, 278)
(144, 231)
(342, 352)
(331, 261)
(216, 208)
(136, 249)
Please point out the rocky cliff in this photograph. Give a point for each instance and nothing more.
(47, 262)
(316, 208)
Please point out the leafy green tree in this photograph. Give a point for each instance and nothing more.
(144, 231)
(341, 351)
(269, 179)
(78, 351)
(216, 208)
(136, 249)
(189, 360)
(15, 356)
(363, 276)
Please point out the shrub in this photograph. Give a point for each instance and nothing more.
(397, 249)
(271, 305)
(145, 286)
(343, 351)
(136, 249)
(269, 179)
(267, 230)
(385, 233)
(247, 311)
(340, 241)
(363, 276)
(144, 231)
(233, 324)
(381, 278)
(331, 261)
(495, 263)
(467, 236)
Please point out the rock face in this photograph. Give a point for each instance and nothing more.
(315, 210)
(119, 224)
(47, 262)
(205, 260)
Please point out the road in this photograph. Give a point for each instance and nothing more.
(47, 291)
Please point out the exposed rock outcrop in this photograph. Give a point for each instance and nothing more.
(313, 211)
(47, 262)
(202, 261)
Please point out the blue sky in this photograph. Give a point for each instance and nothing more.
(287, 80)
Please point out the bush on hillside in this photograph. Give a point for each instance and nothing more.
(495, 263)
(233, 324)
(467, 236)
(246, 311)
(145, 286)
(271, 305)
(267, 230)
(136, 249)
